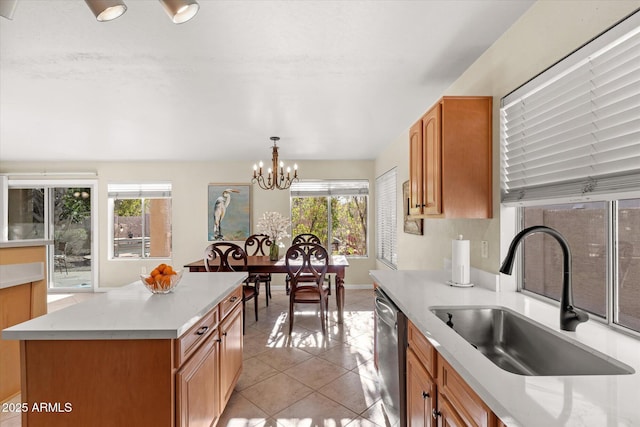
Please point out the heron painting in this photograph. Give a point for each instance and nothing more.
(229, 212)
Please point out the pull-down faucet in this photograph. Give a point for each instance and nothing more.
(570, 317)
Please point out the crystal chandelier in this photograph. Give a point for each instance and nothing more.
(275, 178)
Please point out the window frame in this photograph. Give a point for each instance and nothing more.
(136, 191)
(328, 189)
(391, 199)
(611, 318)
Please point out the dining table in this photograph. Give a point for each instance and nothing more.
(263, 264)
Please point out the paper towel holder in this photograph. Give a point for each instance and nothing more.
(460, 252)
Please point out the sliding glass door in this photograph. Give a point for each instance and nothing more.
(62, 211)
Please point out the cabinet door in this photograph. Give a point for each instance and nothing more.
(416, 183)
(448, 415)
(432, 160)
(230, 353)
(197, 392)
(421, 393)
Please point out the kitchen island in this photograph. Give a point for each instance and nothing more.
(129, 357)
(519, 400)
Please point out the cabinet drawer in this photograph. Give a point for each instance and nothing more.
(465, 401)
(231, 300)
(191, 340)
(422, 348)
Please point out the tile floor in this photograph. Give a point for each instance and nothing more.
(306, 379)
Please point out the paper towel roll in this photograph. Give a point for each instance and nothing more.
(460, 261)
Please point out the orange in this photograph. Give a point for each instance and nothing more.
(168, 270)
(165, 281)
(149, 280)
(154, 272)
(161, 267)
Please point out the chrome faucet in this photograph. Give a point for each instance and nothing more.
(570, 317)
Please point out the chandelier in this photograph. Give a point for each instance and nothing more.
(275, 178)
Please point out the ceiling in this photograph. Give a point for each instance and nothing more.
(333, 79)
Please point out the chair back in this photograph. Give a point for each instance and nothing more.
(309, 260)
(61, 248)
(224, 256)
(257, 244)
(306, 238)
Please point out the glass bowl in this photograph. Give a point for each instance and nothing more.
(164, 285)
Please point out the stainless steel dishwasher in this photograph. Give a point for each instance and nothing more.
(391, 350)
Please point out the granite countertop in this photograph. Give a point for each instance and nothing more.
(531, 401)
(132, 312)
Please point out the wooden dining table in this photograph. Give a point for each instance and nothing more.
(262, 264)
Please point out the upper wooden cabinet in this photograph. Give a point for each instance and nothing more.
(450, 166)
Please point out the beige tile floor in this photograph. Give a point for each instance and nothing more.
(306, 379)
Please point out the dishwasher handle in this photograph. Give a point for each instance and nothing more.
(386, 312)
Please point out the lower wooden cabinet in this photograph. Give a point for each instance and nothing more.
(230, 353)
(421, 393)
(197, 392)
(443, 401)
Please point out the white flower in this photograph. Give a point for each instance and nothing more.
(273, 225)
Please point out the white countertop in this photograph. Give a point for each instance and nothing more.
(24, 243)
(551, 401)
(132, 312)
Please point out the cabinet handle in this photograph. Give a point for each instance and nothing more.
(224, 334)
(417, 205)
(425, 395)
(218, 340)
(233, 299)
(202, 330)
(435, 414)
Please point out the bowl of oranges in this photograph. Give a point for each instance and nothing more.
(162, 279)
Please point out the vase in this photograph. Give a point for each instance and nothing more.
(274, 252)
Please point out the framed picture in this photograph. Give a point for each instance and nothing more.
(411, 226)
(229, 211)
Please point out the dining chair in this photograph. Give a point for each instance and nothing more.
(258, 245)
(224, 253)
(306, 238)
(307, 265)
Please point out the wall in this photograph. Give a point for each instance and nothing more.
(546, 33)
(189, 204)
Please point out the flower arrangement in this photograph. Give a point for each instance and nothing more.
(274, 225)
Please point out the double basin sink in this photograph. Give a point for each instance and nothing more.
(521, 346)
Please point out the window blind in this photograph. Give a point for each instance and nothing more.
(320, 188)
(136, 191)
(386, 223)
(574, 130)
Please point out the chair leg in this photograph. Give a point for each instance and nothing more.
(255, 304)
(290, 315)
(322, 315)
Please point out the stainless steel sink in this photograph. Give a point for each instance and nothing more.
(522, 346)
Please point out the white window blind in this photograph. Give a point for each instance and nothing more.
(137, 191)
(386, 223)
(320, 188)
(574, 130)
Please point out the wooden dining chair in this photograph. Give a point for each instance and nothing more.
(218, 257)
(307, 238)
(258, 245)
(307, 265)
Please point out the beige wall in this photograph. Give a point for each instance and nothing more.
(189, 204)
(546, 33)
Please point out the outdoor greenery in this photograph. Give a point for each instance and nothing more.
(128, 207)
(348, 222)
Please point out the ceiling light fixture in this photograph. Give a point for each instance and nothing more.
(274, 180)
(106, 10)
(7, 8)
(180, 10)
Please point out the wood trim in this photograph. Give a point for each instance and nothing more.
(131, 382)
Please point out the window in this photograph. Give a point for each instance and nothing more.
(335, 211)
(570, 155)
(140, 220)
(386, 224)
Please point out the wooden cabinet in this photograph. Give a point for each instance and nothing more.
(450, 166)
(197, 392)
(436, 394)
(230, 353)
(421, 393)
(183, 382)
(19, 302)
